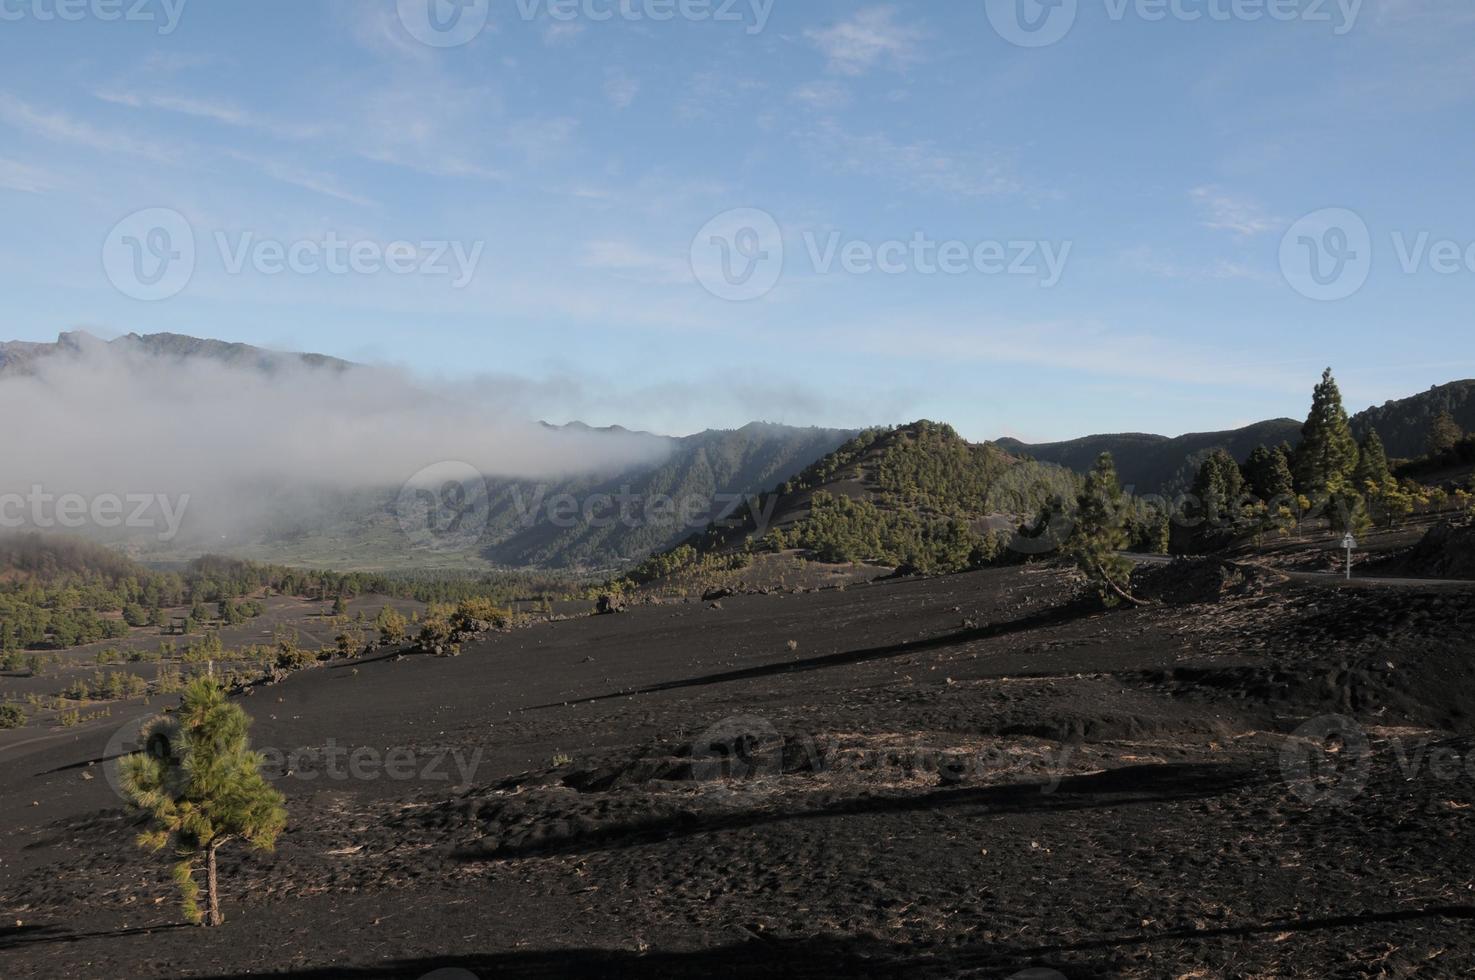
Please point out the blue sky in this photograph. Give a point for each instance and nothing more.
(1166, 160)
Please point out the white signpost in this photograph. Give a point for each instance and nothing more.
(1349, 542)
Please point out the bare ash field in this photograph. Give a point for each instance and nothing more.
(974, 775)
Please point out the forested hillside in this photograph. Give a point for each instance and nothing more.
(1404, 425)
(1158, 464)
(705, 478)
(919, 497)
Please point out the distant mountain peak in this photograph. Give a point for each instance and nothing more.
(22, 357)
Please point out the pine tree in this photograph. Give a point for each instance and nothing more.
(1327, 456)
(202, 787)
(1218, 486)
(1444, 434)
(1372, 462)
(1268, 473)
(391, 625)
(1289, 452)
(1101, 532)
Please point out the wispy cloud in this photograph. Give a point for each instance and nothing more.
(821, 95)
(1149, 261)
(15, 176)
(636, 262)
(620, 88)
(219, 112)
(562, 33)
(66, 129)
(317, 182)
(1077, 345)
(541, 138)
(922, 165)
(1226, 212)
(711, 94)
(870, 38)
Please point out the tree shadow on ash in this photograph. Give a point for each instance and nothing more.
(19, 937)
(1128, 786)
(850, 957)
(761, 957)
(1276, 926)
(1054, 616)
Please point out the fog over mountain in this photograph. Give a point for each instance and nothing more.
(243, 431)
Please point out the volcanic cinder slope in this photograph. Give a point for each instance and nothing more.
(961, 776)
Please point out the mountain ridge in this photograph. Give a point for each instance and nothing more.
(1163, 464)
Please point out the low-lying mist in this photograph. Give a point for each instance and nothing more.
(239, 449)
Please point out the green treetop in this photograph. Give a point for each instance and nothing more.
(1372, 463)
(1444, 433)
(1327, 456)
(1101, 532)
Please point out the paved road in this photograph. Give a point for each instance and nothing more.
(1333, 578)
